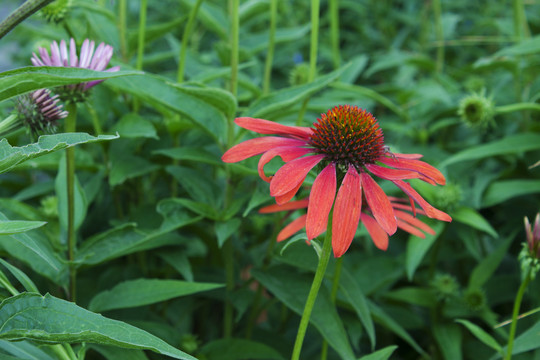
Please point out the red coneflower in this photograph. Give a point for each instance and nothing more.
(348, 144)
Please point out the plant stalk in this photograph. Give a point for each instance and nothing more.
(271, 46)
(185, 39)
(333, 295)
(22, 12)
(515, 313)
(334, 32)
(70, 127)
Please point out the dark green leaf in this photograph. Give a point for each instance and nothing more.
(133, 126)
(21, 277)
(10, 227)
(191, 154)
(481, 335)
(485, 269)
(448, 336)
(383, 354)
(472, 218)
(417, 249)
(25, 350)
(500, 191)
(239, 349)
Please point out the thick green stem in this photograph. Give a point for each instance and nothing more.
(520, 21)
(314, 291)
(21, 13)
(122, 27)
(270, 50)
(4, 282)
(9, 124)
(235, 28)
(517, 304)
(517, 107)
(334, 32)
(185, 39)
(70, 126)
(437, 14)
(333, 295)
(61, 352)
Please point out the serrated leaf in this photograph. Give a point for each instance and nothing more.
(20, 81)
(481, 335)
(134, 293)
(47, 319)
(500, 191)
(10, 227)
(11, 156)
(471, 217)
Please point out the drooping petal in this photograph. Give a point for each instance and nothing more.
(347, 210)
(262, 126)
(257, 146)
(408, 208)
(391, 174)
(410, 229)
(293, 205)
(292, 173)
(321, 198)
(287, 153)
(378, 235)
(408, 156)
(282, 199)
(379, 204)
(421, 167)
(406, 217)
(289, 230)
(430, 210)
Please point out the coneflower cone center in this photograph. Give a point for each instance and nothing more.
(348, 135)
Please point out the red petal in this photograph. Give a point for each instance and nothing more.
(421, 167)
(289, 230)
(408, 208)
(379, 204)
(292, 173)
(430, 210)
(262, 126)
(378, 235)
(293, 205)
(321, 199)
(257, 146)
(347, 209)
(287, 153)
(391, 174)
(282, 199)
(407, 156)
(414, 221)
(410, 229)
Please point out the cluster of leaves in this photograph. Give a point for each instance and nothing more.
(162, 224)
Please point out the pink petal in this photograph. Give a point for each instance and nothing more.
(45, 56)
(378, 235)
(293, 205)
(262, 126)
(408, 208)
(282, 199)
(421, 167)
(410, 229)
(292, 173)
(55, 54)
(414, 221)
(347, 209)
(321, 199)
(287, 153)
(430, 210)
(408, 156)
(63, 53)
(73, 60)
(391, 174)
(257, 146)
(289, 230)
(379, 204)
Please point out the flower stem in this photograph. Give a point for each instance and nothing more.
(235, 28)
(437, 14)
(140, 43)
(122, 27)
(313, 292)
(517, 107)
(185, 39)
(517, 304)
(520, 21)
(334, 32)
(333, 295)
(9, 124)
(21, 13)
(70, 126)
(271, 43)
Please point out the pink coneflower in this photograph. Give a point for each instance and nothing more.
(61, 56)
(403, 212)
(347, 144)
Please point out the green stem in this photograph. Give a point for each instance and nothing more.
(517, 107)
(437, 14)
(140, 43)
(9, 124)
(333, 295)
(228, 253)
(122, 27)
(517, 304)
(185, 38)
(315, 286)
(21, 13)
(60, 351)
(334, 32)
(520, 21)
(70, 126)
(7, 285)
(271, 43)
(235, 28)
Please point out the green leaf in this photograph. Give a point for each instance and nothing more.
(133, 125)
(417, 249)
(20, 81)
(239, 349)
(11, 156)
(21, 277)
(383, 354)
(528, 340)
(185, 153)
(482, 335)
(471, 217)
(500, 191)
(10, 227)
(126, 166)
(25, 350)
(292, 289)
(114, 353)
(180, 262)
(524, 47)
(449, 338)
(513, 144)
(413, 295)
(225, 229)
(485, 269)
(141, 292)
(279, 100)
(47, 319)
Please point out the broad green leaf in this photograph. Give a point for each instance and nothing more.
(471, 217)
(133, 293)
(225, 229)
(190, 154)
(292, 289)
(180, 262)
(26, 350)
(513, 144)
(417, 249)
(11, 156)
(21, 277)
(239, 349)
(47, 319)
(383, 354)
(268, 105)
(449, 338)
(485, 269)
(481, 335)
(115, 353)
(10, 227)
(134, 126)
(125, 165)
(20, 81)
(503, 190)
(208, 107)
(200, 208)
(79, 201)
